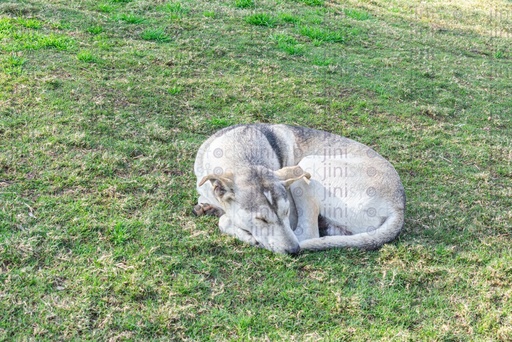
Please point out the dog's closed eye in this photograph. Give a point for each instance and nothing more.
(262, 219)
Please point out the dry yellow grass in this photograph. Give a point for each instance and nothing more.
(486, 18)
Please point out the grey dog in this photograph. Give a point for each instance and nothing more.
(288, 189)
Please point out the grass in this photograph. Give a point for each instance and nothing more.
(95, 30)
(311, 2)
(357, 14)
(130, 18)
(99, 127)
(176, 9)
(289, 18)
(18, 34)
(175, 90)
(157, 35)
(13, 64)
(289, 44)
(209, 14)
(244, 3)
(106, 8)
(261, 19)
(321, 35)
(87, 57)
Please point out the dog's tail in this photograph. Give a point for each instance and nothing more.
(372, 239)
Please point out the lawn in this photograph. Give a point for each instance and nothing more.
(103, 105)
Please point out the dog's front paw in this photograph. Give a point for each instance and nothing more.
(207, 209)
(198, 210)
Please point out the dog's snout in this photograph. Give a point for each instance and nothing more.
(293, 250)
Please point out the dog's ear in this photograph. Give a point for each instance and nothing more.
(222, 185)
(290, 174)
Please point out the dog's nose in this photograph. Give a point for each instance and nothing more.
(294, 251)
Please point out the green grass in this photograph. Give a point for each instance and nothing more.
(289, 18)
(261, 19)
(176, 9)
(95, 30)
(175, 90)
(130, 18)
(321, 35)
(311, 2)
(322, 61)
(12, 64)
(357, 14)
(106, 8)
(289, 44)
(157, 35)
(209, 14)
(244, 3)
(30, 23)
(87, 57)
(24, 34)
(101, 118)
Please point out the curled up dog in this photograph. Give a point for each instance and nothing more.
(288, 189)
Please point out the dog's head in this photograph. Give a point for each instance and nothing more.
(256, 201)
